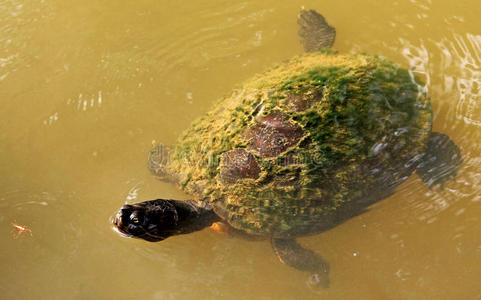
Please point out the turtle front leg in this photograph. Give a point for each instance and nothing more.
(159, 164)
(158, 159)
(223, 228)
(292, 254)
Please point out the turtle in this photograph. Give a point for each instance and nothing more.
(297, 150)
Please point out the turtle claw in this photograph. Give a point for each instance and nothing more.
(319, 280)
(158, 158)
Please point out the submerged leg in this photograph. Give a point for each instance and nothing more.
(314, 31)
(441, 160)
(158, 158)
(292, 254)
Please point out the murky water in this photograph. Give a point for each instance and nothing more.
(85, 87)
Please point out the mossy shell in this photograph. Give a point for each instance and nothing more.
(292, 145)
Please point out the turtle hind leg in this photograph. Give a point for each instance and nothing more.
(441, 160)
(314, 31)
(292, 254)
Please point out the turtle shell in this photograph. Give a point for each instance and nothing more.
(292, 145)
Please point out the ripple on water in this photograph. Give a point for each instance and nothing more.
(227, 32)
(451, 70)
(455, 62)
(464, 53)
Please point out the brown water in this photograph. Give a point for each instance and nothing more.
(86, 86)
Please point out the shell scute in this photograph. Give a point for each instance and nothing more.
(238, 164)
(272, 134)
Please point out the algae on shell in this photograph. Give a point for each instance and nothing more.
(295, 143)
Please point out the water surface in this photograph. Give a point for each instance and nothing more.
(85, 87)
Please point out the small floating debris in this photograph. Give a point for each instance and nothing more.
(20, 229)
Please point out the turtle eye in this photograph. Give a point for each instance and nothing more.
(135, 218)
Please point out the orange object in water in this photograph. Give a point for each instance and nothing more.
(220, 227)
(20, 229)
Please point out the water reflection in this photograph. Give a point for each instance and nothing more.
(86, 87)
(466, 56)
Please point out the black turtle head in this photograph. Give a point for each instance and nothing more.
(152, 221)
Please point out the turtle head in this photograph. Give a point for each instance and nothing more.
(152, 221)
